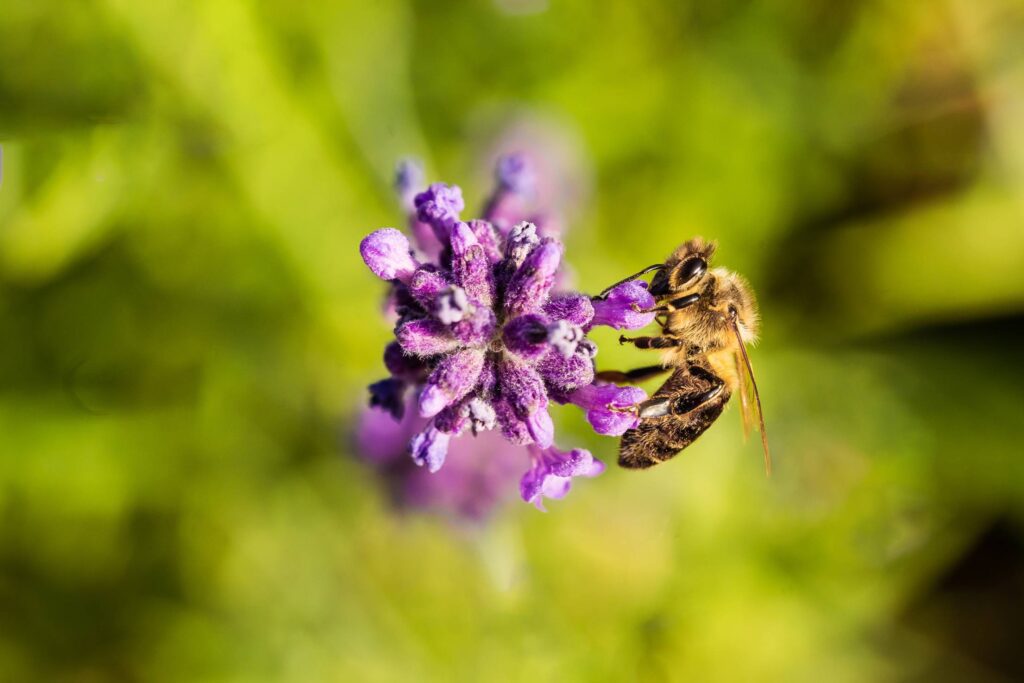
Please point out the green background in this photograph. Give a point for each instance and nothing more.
(186, 330)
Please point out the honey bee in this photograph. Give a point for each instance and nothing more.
(707, 318)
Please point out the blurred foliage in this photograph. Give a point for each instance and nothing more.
(187, 331)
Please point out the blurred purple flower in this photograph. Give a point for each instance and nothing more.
(552, 472)
(482, 343)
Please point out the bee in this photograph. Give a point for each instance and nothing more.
(708, 316)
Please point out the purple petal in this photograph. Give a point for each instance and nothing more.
(522, 387)
(528, 288)
(620, 309)
(574, 308)
(541, 428)
(450, 420)
(512, 427)
(430, 447)
(477, 328)
(425, 337)
(487, 238)
(454, 377)
(401, 365)
(387, 253)
(389, 396)
(552, 472)
(521, 241)
(564, 375)
(471, 266)
(513, 173)
(439, 205)
(606, 404)
(426, 284)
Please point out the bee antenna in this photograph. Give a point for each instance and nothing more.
(607, 290)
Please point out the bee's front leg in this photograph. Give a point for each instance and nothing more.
(631, 376)
(662, 342)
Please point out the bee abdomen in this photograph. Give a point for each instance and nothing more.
(659, 439)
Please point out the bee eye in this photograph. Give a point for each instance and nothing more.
(690, 270)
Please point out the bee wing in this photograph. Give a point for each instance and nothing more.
(750, 399)
(747, 409)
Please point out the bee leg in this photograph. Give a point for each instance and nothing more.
(632, 376)
(681, 404)
(663, 342)
(674, 305)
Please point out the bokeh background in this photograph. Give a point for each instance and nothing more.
(186, 332)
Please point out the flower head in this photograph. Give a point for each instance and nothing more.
(482, 343)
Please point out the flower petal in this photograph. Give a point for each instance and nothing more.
(573, 308)
(454, 377)
(387, 253)
(389, 396)
(606, 406)
(541, 428)
(470, 265)
(552, 472)
(439, 205)
(514, 173)
(528, 288)
(430, 448)
(425, 337)
(621, 308)
(564, 375)
(522, 387)
(426, 284)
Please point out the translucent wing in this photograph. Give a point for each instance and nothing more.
(750, 399)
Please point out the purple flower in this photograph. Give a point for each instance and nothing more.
(552, 472)
(513, 173)
(430, 448)
(481, 342)
(478, 474)
(624, 307)
(609, 407)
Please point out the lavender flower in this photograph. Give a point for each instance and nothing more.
(552, 472)
(607, 407)
(483, 344)
(478, 474)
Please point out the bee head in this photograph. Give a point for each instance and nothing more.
(684, 268)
